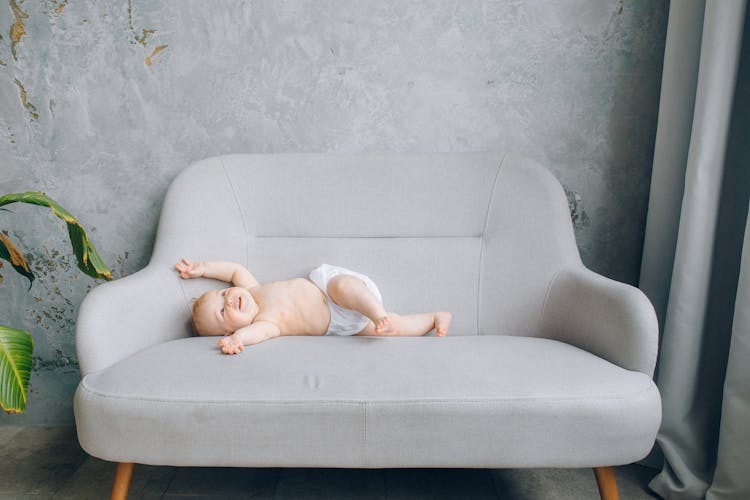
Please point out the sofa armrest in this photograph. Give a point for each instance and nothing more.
(119, 318)
(605, 317)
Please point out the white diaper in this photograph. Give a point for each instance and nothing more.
(343, 321)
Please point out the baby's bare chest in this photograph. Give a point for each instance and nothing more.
(296, 306)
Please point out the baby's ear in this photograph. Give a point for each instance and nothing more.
(192, 301)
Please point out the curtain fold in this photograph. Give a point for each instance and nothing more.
(692, 251)
(733, 463)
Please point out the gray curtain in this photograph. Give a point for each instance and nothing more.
(696, 259)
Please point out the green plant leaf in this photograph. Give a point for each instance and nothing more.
(89, 260)
(10, 252)
(16, 349)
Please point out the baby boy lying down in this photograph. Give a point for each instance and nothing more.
(333, 301)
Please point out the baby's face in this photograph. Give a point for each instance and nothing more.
(223, 312)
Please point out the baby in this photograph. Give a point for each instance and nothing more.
(333, 301)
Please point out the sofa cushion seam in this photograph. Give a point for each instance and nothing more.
(187, 300)
(360, 402)
(545, 302)
(364, 433)
(481, 245)
(239, 209)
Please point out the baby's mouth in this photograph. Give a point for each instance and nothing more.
(239, 302)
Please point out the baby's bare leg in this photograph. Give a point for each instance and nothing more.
(351, 292)
(414, 325)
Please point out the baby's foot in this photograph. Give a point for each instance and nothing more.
(230, 345)
(442, 322)
(383, 326)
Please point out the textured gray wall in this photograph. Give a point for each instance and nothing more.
(103, 103)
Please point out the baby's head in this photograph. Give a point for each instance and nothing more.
(223, 312)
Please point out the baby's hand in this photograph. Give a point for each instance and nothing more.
(189, 269)
(231, 345)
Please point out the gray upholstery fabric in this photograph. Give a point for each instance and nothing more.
(487, 401)
(486, 236)
(610, 319)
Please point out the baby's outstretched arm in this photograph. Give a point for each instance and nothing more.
(230, 272)
(248, 335)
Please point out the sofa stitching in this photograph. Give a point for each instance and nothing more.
(364, 434)
(481, 245)
(239, 209)
(372, 237)
(360, 402)
(546, 298)
(187, 300)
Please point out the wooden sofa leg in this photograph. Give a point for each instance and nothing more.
(123, 475)
(605, 479)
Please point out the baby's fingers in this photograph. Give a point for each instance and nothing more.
(186, 268)
(231, 349)
(224, 347)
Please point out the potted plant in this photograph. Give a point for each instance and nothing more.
(16, 345)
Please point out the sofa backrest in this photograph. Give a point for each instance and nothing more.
(480, 234)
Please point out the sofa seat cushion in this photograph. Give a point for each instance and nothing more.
(476, 401)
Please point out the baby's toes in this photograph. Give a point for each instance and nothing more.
(380, 324)
(384, 326)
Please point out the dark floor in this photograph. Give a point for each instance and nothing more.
(46, 462)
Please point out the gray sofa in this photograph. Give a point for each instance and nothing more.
(547, 364)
